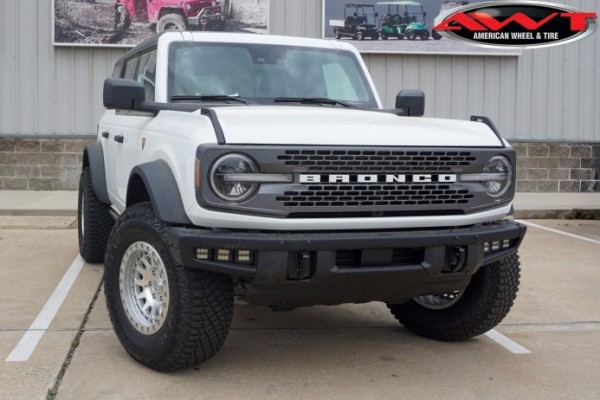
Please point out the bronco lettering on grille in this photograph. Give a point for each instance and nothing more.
(417, 178)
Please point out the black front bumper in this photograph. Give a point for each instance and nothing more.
(299, 269)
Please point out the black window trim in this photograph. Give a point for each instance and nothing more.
(139, 57)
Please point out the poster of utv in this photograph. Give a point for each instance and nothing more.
(116, 23)
(377, 26)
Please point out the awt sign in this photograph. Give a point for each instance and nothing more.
(516, 23)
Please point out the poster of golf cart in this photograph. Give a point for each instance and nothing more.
(125, 23)
(378, 26)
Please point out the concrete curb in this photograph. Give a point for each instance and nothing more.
(38, 213)
(558, 214)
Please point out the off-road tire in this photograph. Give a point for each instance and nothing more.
(174, 22)
(200, 307)
(94, 222)
(484, 303)
(122, 20)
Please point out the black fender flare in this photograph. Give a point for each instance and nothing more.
(163, 191)
(93, 157)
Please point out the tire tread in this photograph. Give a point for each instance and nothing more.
(486, 302)
(97, 220)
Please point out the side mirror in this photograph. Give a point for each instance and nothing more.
(413, 101)
(123, 94)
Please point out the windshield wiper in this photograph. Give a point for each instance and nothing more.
(311, 100)
(209, 97)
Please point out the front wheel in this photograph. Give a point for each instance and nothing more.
(461, 315)
(424, 35)
(166, 316)
(171, 22)
(411, 35)
(360, 36)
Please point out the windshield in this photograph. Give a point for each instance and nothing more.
(263, 73)
(364, 15)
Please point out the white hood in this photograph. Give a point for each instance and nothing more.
(305, 125)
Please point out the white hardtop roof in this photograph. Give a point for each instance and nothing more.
(252, 38)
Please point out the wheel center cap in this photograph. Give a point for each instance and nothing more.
(158, 286)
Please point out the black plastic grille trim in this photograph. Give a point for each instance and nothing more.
(374, 199)
(365, 195)
(377, 161)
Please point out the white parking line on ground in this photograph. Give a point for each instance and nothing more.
(31, 338)
(507, 343)
(572, 235)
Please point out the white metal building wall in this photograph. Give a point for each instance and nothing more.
(546, 94)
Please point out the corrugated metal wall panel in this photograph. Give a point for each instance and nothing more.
(46, 73)
(8, 65)
(558, 89)
(46, 89)
(545, 94)
(296, 18)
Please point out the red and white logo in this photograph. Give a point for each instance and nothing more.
(516, 24)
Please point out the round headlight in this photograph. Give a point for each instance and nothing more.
(500, 166)
(226, 168)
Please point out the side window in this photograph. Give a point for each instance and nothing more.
(146, 73)
(130, 68)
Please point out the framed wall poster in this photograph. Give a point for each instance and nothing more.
(125, 23)
(397, 27)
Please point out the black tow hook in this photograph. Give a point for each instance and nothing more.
(457, 258)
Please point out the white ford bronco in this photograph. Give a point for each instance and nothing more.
(265, 167)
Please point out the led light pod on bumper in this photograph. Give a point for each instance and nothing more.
(501, 168)
(223, 178)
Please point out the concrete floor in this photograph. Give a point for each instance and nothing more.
(343, 352)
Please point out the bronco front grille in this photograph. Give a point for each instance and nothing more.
(361, 195)
(376, 160)
(353, 182)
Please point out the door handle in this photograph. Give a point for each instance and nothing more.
(105, 135)
(119, 138)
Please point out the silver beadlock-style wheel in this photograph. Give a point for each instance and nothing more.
(144, 288)
(439, 301)
(166, 316)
